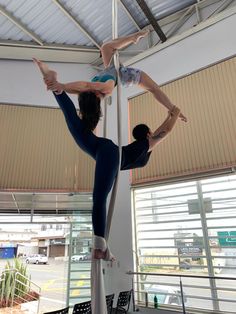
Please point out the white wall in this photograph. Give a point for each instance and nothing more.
(21, 82)
(192, 53)
(199, 50)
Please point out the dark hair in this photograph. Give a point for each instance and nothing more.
(140, 132)
(90, 109)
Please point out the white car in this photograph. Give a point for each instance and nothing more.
(77, 258)
(37, 259)
(165, 294)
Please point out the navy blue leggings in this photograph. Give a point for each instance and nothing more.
(103, 150)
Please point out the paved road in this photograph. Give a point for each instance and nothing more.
(52, 279)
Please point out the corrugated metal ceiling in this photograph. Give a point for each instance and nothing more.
(38, 203)
(76, 24)
(160, 9)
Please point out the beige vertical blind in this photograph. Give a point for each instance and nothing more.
(37, 152)
(208, 141)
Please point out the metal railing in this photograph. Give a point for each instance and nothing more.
(21, 291)
(2, 285)
(146, 283)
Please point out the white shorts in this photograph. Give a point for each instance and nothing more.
(128, 76)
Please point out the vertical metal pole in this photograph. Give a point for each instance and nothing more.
(114, 19)
(146, 299)
(132, 294)
(117, 65)
(69, 266)
(182, 295)
(137, 287)
(116, 61)
(13, 292)
(38, 301)
(2, 283)
(214, 293)
(32, 209)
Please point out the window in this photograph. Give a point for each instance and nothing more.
(188, 228)
(80, 259)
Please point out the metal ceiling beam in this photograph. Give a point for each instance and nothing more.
(13, 196)
(47, 202)
(144, 7)
(77, 23)
(192, 30)
(26, 44)
(51, 53)
(182, 20)
(195, 8)
(221, 7)
(129, 14)
(197, 13)
(19, 24)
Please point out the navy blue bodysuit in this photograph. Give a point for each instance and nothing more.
(106, 154)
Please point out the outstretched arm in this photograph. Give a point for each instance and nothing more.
(81, 86)
(50, 79)
(165, 128)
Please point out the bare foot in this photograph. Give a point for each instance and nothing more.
(105, 255)
(98, 254)
(44, 69)
(139, 35)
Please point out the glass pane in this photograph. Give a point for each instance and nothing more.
(50, 234)
(171, 239)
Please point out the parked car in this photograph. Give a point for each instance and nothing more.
(77, 258)
(184, 265)
(37, 259)
(87, 257)
(81, 257)
(165, 294)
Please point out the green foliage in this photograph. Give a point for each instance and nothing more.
(14, 283)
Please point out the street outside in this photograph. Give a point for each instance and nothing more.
(52, 278)
(202, 289)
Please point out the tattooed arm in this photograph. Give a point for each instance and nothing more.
(164, 129)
